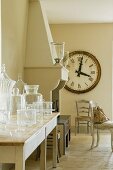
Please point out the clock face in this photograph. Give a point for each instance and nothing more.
(84, 72)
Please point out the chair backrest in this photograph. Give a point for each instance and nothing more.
(92, 105)
(83, 107)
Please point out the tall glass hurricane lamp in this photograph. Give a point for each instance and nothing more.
(57, 51)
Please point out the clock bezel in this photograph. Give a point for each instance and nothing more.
(98, 75)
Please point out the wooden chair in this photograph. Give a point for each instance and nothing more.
(83, 115)
(108, 125)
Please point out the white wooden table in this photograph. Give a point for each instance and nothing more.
(16, 148)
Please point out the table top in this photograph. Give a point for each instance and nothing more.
(10, 134)
(62, 119)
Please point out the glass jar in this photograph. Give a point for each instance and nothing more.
(33, 100)
(32, 96)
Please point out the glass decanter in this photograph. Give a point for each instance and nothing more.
(20, 84)
(6, 85)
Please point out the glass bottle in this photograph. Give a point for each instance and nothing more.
(20, 84)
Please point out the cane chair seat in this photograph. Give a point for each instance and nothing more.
(108, 125)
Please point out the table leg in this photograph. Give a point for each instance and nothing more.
(69, 134)
(20, 161)
(67, 139)
(54, 147)
(43, 155)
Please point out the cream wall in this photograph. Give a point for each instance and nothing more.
(14, 27)
(0, 32)
(39, 67)
(38, 49)
(97, 39)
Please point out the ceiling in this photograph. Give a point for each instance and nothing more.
(79, 11)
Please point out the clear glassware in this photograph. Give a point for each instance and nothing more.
(26, 117)
(39, 112)
(20, 84)
(17, 101)
(47, 107)
(32, 96)
(57, 51)
(6, 86)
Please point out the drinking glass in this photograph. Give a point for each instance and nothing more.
(47, 109)
(39, 112)
(26, 117)
(4, 120)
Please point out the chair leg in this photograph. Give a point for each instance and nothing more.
(88, 127)
(75, 127)
(98, 137)
(78, 130)
(112, 140)
(91, 128)
(93, 138)
(92, 134)
(59, 154)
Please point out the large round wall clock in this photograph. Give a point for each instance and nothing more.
(84, 72)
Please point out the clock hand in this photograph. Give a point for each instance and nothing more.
(84, 74)
(80, 67)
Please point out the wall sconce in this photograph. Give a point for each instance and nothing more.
(57, 51)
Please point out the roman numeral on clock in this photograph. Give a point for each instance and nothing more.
(79, 86)
(86, 60)
(91, 65)
(72, 83)
(90, 78)
(72, 60)
(92, 72)
(79, 58)
(67, 66)
(86, 84)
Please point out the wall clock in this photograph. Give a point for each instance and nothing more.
(84, 72)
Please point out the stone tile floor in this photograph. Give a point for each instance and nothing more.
(80, 157)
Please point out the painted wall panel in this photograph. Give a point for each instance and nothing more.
(96, 39)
